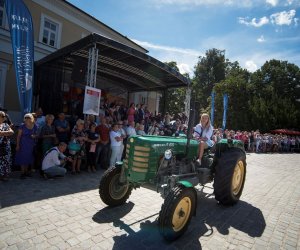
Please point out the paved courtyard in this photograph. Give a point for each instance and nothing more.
(68, 213)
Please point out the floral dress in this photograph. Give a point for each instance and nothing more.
(5, 152)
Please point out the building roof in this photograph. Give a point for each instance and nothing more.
(118, 64)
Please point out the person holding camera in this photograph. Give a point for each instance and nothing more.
(54, 161)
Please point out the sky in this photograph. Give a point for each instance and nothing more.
(250, 31)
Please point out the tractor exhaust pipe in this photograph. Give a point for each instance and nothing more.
(190, 125)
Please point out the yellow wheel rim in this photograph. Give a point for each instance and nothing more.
(238, 177)
(181, 214)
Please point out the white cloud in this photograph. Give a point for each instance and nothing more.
(272, 2)
(186, 59)
(185, 68)
(251, 66)
(261, 39)
(283, 18)
(238, 47)
(262, 21)
(166, 48)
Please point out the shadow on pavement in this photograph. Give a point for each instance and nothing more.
(147, 237)
(17, 191)
(110, 214)
(210, 216)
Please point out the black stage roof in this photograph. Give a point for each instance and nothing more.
(118, 64)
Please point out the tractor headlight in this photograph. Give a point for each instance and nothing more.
(168, 154)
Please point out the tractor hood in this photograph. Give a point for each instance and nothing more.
(159, 144)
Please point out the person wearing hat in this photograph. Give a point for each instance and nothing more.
(26, 138)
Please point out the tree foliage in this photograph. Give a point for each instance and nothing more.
(236, 87)
(175, 97)
(209, 70)
(266, 99)
(274, 101)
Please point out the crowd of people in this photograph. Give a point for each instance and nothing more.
(42, 141)
(255, 141)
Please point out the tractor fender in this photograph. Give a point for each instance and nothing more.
(187, 184)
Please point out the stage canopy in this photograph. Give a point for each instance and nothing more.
(117, 64)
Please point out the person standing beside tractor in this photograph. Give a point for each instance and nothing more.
(116, 140)
(203, 133)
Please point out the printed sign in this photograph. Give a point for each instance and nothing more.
(91, 101)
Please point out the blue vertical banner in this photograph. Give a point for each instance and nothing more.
(225, 106)
(21, 31)
(212, 112)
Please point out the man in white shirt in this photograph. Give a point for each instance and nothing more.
(116, 141)
(54, 161)
(131, 130)
(124, 136)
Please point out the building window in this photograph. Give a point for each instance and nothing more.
(50, 31)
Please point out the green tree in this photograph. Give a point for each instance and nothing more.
(274, 96)
(237, 87)
(175, 97)
(209, 70)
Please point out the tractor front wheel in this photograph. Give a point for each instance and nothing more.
(112, 192)
(230, 176)
(176, 212)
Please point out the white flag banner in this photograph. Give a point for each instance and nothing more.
(91, 101)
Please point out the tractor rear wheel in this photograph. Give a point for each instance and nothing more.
(112, 192)
(176, 212)
(230, 176)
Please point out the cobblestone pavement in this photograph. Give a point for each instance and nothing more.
(68, 213)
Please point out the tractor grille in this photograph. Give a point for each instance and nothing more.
(138, 157)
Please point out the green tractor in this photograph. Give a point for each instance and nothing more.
(168, 165)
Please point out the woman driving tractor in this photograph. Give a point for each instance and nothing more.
(203, 133)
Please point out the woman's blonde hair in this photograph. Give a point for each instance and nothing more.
(207, 125)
